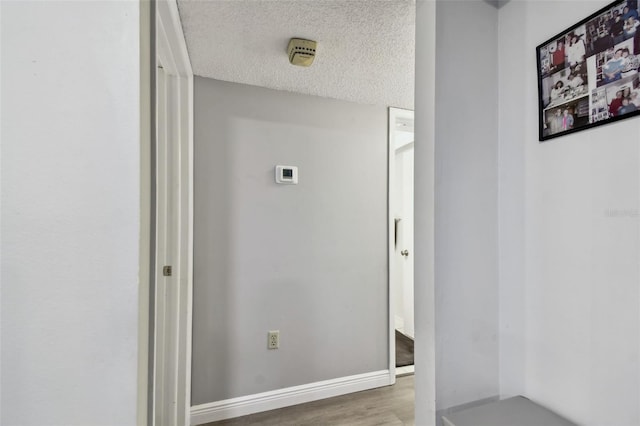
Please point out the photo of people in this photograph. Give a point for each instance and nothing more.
(564, 86)
(616, 62)
(590, 73)
(617, 99)
(566, 117)
(552, 57)
(568, 50)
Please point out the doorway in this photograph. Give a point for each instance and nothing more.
(401, 181)
(171, 265)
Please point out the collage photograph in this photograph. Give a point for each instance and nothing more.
(590, 73)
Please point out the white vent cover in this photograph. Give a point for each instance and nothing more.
(301, 52)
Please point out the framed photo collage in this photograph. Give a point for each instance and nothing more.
(588, 74)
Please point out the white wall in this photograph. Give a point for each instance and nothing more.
(70, 212)
(570, 297)
(309, 260)
(425, 379)
(466, 200)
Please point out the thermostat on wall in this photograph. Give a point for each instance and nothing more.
(287, 174)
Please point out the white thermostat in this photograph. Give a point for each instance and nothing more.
(287, 175)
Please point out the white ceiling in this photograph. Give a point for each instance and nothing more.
(365, 48)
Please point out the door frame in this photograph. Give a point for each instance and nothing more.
(169, 403)
(394, 114)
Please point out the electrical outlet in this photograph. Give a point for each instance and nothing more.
(273, 339)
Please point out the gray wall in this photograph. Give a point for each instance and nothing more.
(309, 260)
(466, 217)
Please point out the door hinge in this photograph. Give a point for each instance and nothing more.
(166, 270)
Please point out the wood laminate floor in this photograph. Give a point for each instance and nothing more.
(404, 350)
(390, 405)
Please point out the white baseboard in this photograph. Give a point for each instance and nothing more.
(241, 406)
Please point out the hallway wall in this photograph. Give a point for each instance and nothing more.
(309, 260)
(70, 212)
(466, 200)
(570, 241)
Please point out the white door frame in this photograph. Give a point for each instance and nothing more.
(171, 298)
(394, 115)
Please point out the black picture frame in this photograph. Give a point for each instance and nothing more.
(588, 75)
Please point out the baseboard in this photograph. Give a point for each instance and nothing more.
(241, 406)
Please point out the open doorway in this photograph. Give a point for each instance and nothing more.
(401, 177)
(408, 257)
(171, 207)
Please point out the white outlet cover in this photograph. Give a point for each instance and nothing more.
(273, 339)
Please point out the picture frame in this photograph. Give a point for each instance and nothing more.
(588, 75)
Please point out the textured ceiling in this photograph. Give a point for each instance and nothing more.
(365, 48)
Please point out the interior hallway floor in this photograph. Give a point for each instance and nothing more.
(389, 406)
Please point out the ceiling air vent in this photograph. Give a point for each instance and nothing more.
(301, 52)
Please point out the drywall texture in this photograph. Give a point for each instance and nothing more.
(424, 295)
(365, 52)
(70, 212)
(309, 260)
(466, 167)
(570, 243)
